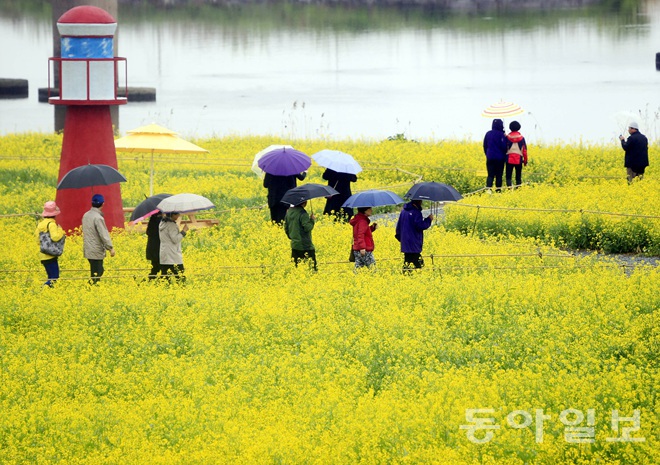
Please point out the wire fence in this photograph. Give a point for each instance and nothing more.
(434, 264)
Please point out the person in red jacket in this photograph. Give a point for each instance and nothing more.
(516, 153)
(363, 241)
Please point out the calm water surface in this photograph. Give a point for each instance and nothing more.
(578, 76)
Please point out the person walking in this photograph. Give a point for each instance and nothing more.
(298, 225)
(516, 154)
(410, 233)
(495, 151)
(277, 187)
(171, 257)
(49, 225)
(636, 149)
(96, 239)
(363, 241)
(153, 244)
(341, 182)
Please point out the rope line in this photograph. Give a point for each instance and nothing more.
(595, 212)
(264, 266)
(348, 270)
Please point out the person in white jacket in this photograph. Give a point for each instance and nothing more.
(96, 239)
(171, 258)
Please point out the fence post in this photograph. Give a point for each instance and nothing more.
(474, 226)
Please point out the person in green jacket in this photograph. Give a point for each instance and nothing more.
(298, 225)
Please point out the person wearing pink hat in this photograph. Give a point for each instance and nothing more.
(50, 226)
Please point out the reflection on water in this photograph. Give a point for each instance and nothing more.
(314, 71)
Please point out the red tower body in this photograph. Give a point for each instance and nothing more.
(88, 84)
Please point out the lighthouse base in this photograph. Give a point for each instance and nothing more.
(88, 139)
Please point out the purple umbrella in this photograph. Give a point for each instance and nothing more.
(284, 162)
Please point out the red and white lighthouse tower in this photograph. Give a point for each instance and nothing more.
(88, 86)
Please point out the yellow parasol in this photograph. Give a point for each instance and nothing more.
(155, 139)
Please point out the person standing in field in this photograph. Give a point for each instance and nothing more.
(298, 225)
(171, 257)
(363, 241)
(50, 226)
(495, 151)
(516, 154)
(277, 187)
(153, 244)
(341, 182)
(96, 239)
(410, 233)
(636, 149)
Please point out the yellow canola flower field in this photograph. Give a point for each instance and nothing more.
(501, 351)
(609, 216)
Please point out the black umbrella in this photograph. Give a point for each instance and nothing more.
(148, 205)
(433, 191)
(308, 191)
(90, 175)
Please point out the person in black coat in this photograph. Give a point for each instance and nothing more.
(153, 244)
(341, 182)
(637, 152)
(277, 187)
(495, 150)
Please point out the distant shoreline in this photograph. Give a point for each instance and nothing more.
(449, 5)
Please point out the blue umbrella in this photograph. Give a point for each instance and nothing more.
(373, 198)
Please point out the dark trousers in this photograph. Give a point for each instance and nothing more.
(155, 269)
(176, 270)
(301, 255)
(509, 173)
(495, 170)
(278, 212)
(52, 270)
(412, 260)
(96, 270)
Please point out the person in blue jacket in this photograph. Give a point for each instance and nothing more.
(410, 232)
(495, 148)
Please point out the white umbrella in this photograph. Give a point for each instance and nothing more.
(255, 163)
(623, 119)
(185, 203)
(502, 109)
(338, 161)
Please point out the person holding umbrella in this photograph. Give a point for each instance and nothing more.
(342, 183)
(49, 226)
(341, 171)
(277, 187)
(495, 151)
(410, 233)
(171, 257)
(96, 239)
(153, 244)
(298, 225)
(282, 167)
(363, 241)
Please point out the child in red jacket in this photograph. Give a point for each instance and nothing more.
(363, 241)
(516, 154)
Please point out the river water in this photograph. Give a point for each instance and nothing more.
(580, 76)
